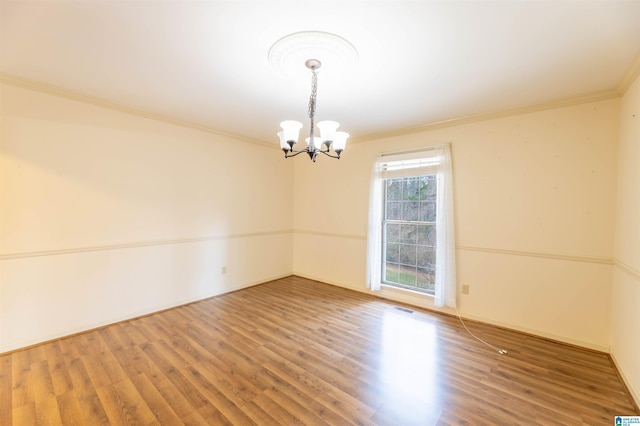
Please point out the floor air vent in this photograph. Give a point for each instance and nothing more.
(403, 309)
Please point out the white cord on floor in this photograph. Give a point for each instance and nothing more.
(500, 351)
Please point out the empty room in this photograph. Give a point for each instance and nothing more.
(320, 213)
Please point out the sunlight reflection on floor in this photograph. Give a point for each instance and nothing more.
(408, 364)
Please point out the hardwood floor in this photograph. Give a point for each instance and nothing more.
(295, 351)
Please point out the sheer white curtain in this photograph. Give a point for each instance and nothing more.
(434, 160)
(374, 234)
(445, 285)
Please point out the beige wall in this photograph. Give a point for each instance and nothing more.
(625, 327)
(107, 215)
(534, 207)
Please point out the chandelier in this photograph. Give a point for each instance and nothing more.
(329, 138)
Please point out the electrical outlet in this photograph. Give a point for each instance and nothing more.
(465, 289)
(223, 270)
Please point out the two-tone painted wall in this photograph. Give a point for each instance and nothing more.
(107, 215)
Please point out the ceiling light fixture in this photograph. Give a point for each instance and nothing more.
(328, 134)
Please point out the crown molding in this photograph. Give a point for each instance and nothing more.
(558, 103)
(629, 77)
(627, 80)
(49, 89)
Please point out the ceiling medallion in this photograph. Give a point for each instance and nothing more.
(290, 51)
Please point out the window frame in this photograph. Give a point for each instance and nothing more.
(428, 269)
(415, 162)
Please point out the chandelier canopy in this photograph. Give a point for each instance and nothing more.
(330, 142)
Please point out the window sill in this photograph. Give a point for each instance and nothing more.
(411, 297)
(405, 290)
(393, 288)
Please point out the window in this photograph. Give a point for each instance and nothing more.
(410, 243)
(409, 232)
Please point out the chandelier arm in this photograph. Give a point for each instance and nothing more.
(329, 155)
(295, 153)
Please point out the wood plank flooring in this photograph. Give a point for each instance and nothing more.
(295, 351)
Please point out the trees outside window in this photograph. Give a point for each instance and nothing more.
(409, 232)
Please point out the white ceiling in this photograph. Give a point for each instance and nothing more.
(420, 62)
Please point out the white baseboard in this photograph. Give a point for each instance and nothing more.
(625, 378)
(421, 302)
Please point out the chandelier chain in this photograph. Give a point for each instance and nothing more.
(314, 90)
